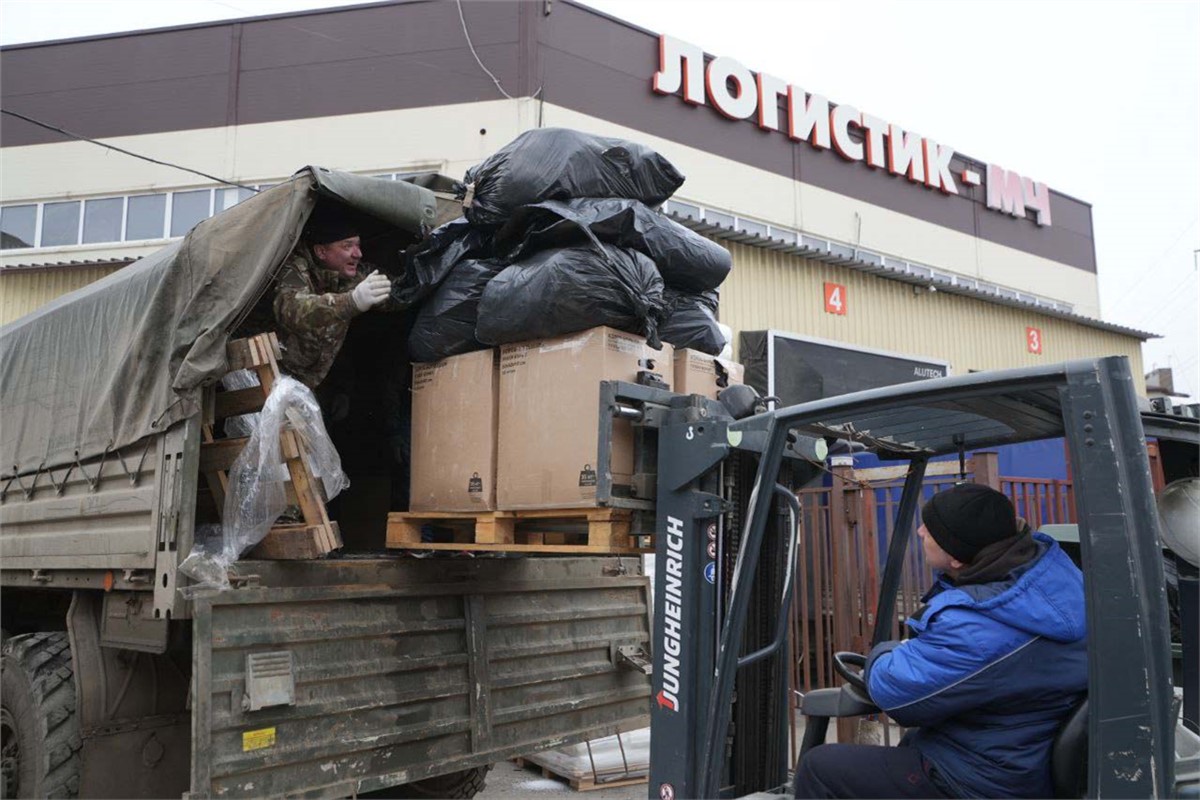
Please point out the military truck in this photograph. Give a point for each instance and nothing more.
(328, 677)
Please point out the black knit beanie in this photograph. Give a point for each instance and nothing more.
(967, 518)
(329, 227)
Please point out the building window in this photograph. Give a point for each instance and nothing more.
(146, 215)
(60, 224)
(228, 198)
(18, 226)
(102, 220)
(189, 208)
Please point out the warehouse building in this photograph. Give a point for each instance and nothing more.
(852, 239)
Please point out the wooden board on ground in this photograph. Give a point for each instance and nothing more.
(580, 784)
(563, 531)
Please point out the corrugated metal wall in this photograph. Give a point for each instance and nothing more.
(773, 290)
(770, 289)
(23, 291)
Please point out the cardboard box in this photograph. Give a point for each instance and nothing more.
(550, 415)
(700, 373)
(454, 415)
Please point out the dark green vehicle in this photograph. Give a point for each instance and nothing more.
(327, 678)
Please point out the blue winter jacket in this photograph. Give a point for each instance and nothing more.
(990, 675)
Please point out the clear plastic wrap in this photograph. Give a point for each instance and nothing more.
(256, 495)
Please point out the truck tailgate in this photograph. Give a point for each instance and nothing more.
(380, 671)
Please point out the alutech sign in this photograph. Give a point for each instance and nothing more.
(737, 93)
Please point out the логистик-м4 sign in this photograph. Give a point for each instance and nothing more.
(737, 93)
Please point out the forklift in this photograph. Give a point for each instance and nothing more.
(725, 532)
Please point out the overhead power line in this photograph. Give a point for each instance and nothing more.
(122, 150)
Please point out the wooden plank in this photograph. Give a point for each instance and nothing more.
(591, 512)
(290, 542)
(587, 785)
(312, 506)
(242, 354)
(239, 401)
(221, 454)
(607, 530)
(516, 548)
(881, 474)
(465, 516)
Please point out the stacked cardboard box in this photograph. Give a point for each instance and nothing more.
(700, 373)
(454, 415)
(517, 428)
(549, 415)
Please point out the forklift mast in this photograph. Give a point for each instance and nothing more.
(700, 620)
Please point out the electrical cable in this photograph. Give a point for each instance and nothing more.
(82, 138)
(478, 61)
(495, 80)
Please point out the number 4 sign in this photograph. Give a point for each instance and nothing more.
(835, 298)
(1033, 340)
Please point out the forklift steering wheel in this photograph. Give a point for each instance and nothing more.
(843, 661)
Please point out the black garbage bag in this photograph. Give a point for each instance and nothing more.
(686, 260)
(427, 263)
(559, 164)
(692, 321)
(445, 323)
(571, 289)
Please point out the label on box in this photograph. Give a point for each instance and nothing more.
(587, 476)
(475, 487)
(625, 344)
(512, 358)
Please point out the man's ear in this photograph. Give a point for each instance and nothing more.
(955, 564)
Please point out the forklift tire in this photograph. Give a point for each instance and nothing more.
(454, 786)
(38, 726)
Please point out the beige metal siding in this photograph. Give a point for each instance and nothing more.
(23, 291)
(773, 290)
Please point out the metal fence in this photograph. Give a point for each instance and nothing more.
(845, 530)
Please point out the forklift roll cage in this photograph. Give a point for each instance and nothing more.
(1090, 403)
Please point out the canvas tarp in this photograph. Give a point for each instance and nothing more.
(125, 357)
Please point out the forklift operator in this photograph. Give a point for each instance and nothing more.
(997, 660)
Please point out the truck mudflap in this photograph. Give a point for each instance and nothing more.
(328, 678)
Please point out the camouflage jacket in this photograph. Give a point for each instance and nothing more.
(313, 309)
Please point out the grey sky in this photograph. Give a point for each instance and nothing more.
(1100, 100)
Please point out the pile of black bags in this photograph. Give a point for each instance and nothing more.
(559, 236)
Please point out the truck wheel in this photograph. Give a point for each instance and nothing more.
(38, 727)
(465, 784)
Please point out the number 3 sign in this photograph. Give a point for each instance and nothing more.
(1033, 340)
(835, 298)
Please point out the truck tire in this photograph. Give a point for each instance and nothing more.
(38, 726)
(464, 784)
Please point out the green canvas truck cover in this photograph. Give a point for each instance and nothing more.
(128, 356)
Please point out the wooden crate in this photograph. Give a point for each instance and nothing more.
(582, 530)
(316, 535)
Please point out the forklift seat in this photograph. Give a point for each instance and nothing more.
(1069, 754)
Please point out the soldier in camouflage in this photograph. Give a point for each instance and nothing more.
(324, 284)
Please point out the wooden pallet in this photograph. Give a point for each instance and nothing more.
(316, 535)
(599, 530)
(587, 783)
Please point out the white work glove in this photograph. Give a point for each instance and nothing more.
(373, 290)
